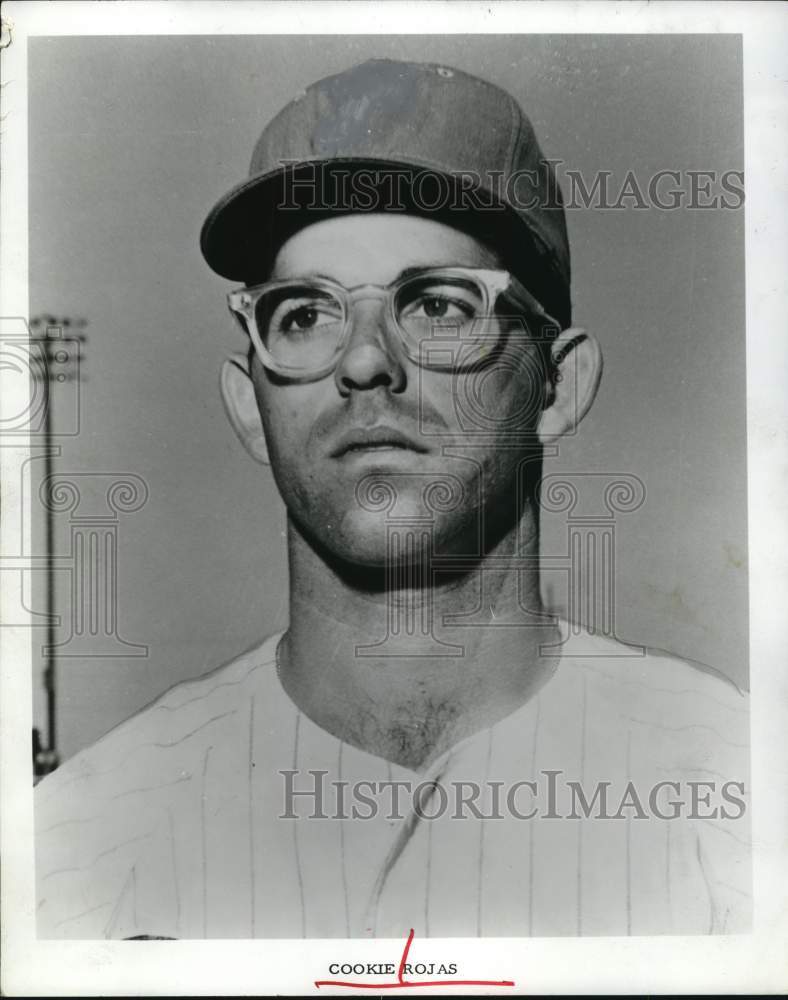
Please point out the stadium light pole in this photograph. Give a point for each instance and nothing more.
(50, 334)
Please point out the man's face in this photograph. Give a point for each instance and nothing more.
(381, 437)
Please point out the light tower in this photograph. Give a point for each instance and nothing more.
(58, 347)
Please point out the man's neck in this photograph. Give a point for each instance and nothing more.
(406, 672)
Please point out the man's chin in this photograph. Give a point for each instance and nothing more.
(380, 542)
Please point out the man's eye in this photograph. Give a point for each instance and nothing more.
(435, 307)
(303, 317)
(441, 307)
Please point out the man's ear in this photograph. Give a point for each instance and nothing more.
(240, 403)
(577, 360)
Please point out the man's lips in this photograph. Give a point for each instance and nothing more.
(378, 438)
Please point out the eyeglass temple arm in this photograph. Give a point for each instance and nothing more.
(516, 291)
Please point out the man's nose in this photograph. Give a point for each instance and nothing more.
(369, 359)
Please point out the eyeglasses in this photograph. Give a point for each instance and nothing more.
(300, 327)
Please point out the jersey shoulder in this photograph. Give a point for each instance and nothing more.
(99, 815)
(170, 729)
(682, 712)
(639, 674)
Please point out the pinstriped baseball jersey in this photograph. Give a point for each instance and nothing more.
(172, 825)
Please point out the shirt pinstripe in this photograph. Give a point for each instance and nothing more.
(168, 825)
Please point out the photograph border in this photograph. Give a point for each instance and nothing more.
(753, 962)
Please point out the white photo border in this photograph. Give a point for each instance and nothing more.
(750, 963)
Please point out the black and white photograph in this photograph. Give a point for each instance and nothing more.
(384, 542)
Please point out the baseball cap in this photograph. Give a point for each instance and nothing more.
(467, 151)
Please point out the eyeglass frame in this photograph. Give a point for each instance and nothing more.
(242, 303)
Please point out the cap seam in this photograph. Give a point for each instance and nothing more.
(516, 132)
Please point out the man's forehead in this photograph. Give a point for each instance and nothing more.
(377, 247)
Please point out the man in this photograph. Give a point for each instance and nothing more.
(424, 746)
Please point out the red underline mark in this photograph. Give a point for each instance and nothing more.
(404, 983)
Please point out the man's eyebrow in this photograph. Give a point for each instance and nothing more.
(410, 272)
